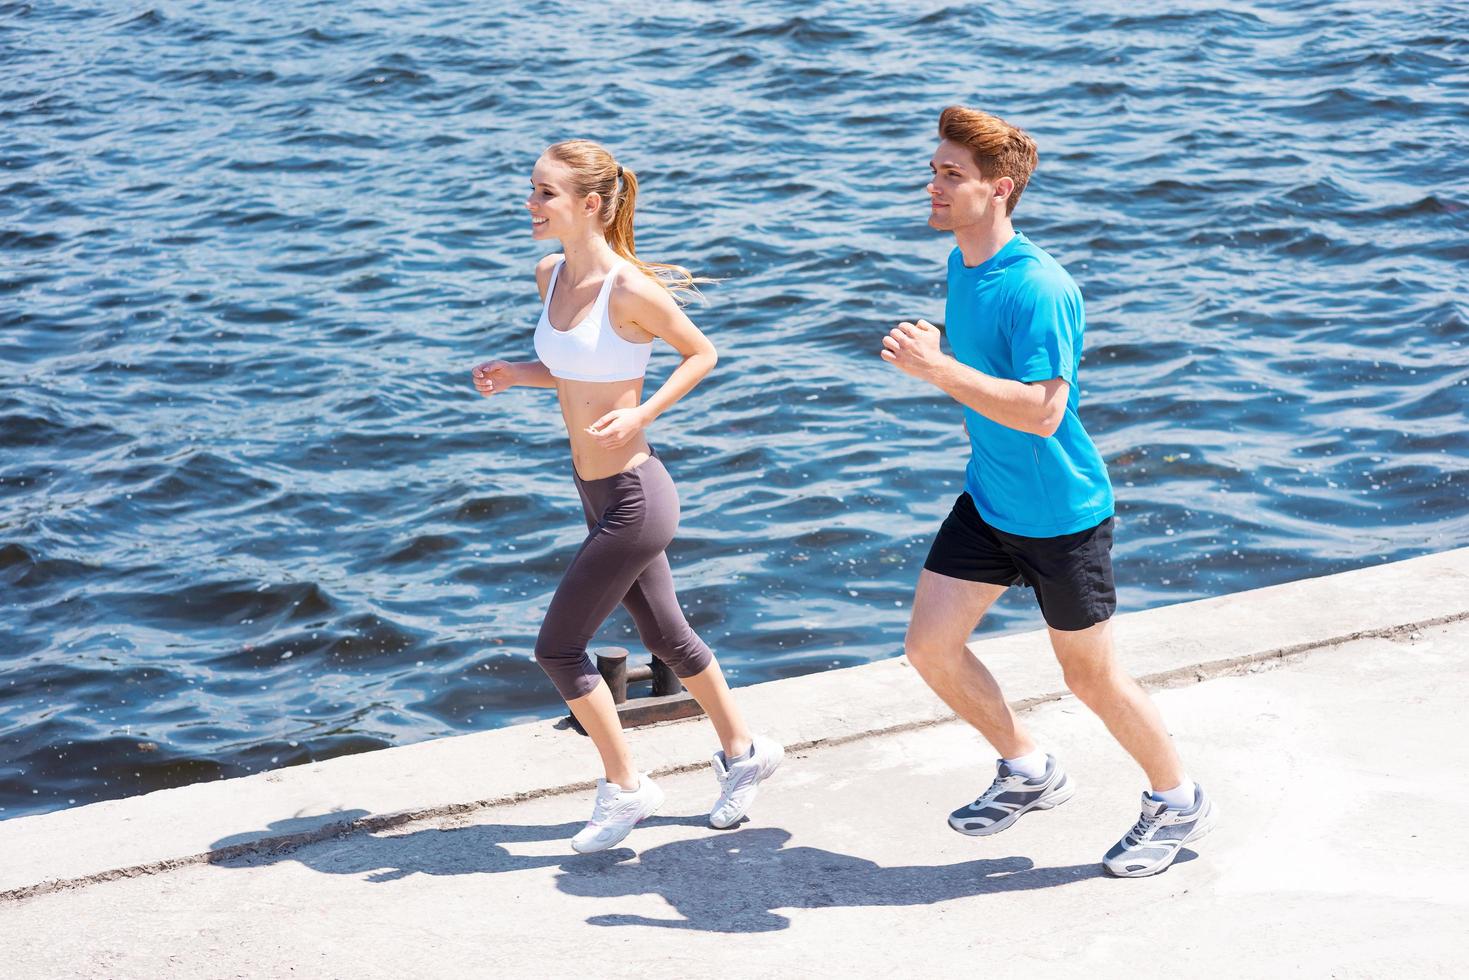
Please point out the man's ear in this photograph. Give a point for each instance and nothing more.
(1004, 187)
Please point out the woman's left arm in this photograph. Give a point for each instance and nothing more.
(641, 302)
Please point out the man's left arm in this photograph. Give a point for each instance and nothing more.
(1036, 407)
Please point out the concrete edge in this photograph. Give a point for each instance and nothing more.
(1180, 676)
(1173, 677)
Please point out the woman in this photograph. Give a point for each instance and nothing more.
(602, 309)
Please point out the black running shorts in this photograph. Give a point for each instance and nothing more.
(1071, 573)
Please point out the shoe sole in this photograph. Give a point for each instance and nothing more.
(657, 801)
(1202, 830)
(1048, 802)
(766, 771)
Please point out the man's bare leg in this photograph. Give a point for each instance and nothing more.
(945, 612)
(1177, 812)
(1089, 664)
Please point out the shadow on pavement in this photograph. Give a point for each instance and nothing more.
(388, 856)
(729, 882)
(735, 882)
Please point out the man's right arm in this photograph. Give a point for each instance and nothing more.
(1034, 407)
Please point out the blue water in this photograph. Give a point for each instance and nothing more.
(252, 513)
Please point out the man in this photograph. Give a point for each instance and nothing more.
(1037, 506)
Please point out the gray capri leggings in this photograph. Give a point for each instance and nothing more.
(631, 518)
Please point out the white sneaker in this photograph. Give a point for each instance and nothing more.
(615, 813)
(739, 781)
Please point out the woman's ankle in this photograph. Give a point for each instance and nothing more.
(738, 747)
(629, 782)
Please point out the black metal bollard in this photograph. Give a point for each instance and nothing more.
(665, 681)
(612, 665)
(668, 702)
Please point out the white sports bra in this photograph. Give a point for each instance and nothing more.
(591, 350)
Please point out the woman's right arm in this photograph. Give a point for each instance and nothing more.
(493, 377)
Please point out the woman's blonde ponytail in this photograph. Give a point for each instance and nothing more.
(619, 229)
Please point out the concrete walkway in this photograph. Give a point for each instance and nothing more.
(1335, 855)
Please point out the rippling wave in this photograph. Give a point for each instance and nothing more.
(252, 513)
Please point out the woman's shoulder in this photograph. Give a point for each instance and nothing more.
(543, 270)
(633, 284)
(640, 300)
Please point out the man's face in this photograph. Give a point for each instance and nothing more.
(958, 195)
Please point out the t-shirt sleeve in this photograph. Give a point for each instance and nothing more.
(1047, 327)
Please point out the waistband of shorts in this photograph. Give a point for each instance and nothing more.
(617, 478)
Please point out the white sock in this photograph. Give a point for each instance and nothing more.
(1032, 765)
(1180, 797)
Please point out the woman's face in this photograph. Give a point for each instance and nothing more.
(556, 211)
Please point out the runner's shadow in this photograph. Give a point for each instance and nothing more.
(382, 856)
(724, 883)
(735, 882)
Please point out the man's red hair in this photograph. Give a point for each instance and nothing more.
(999, 149)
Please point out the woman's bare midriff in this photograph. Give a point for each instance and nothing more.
(582, 404)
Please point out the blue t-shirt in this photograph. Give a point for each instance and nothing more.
(1019, 315)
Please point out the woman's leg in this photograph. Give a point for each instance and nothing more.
(617, 549)
(744, 761)
(712, 693)
(598, 717)
(664, 629)
(668, 636)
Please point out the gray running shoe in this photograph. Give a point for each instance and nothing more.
(1154, 841)
(1010, 797)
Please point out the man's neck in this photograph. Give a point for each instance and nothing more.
(979, 243)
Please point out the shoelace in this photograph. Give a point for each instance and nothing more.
(735, 781)
(988, 796)
(602, 808)
(1146, 824)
